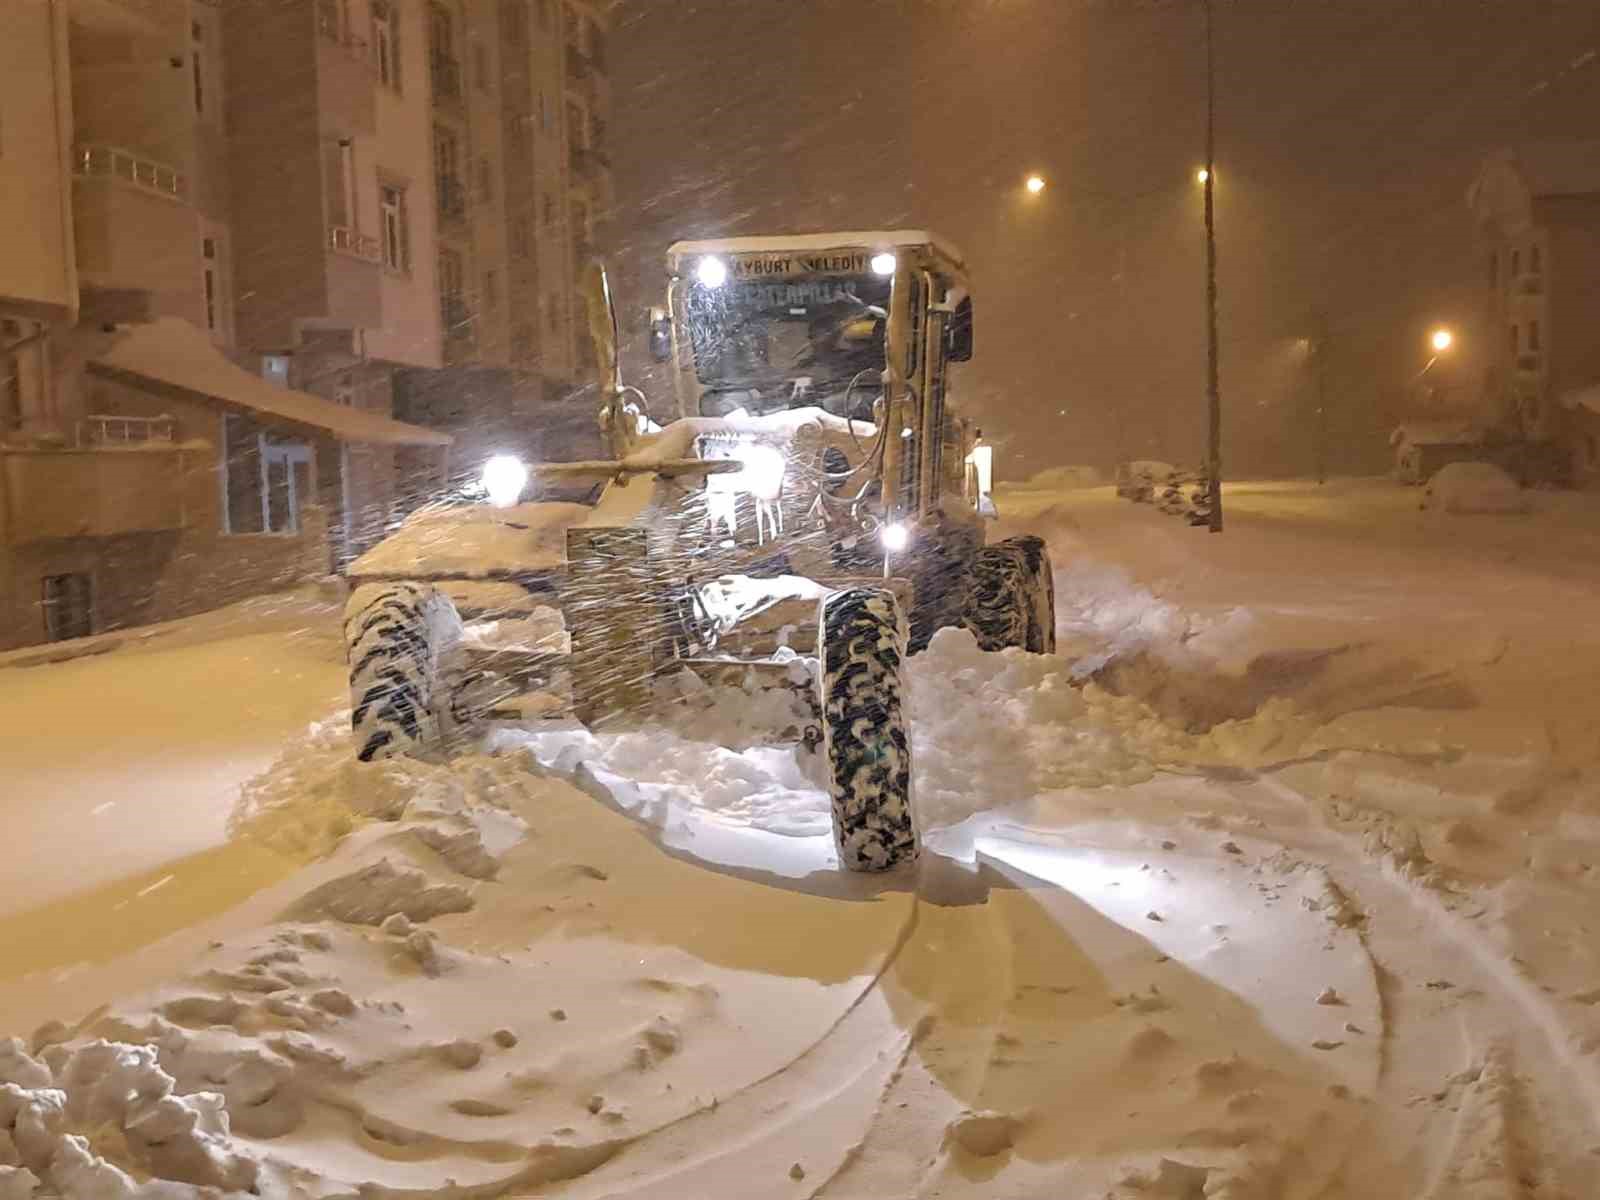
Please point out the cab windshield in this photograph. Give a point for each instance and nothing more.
(765, 345)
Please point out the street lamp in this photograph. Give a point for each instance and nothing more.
(1034, 184)
(1441, 340)
(1201, 176)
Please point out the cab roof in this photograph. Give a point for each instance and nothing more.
(876, 239)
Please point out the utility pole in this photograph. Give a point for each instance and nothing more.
(1213, 390)
(1320, 347)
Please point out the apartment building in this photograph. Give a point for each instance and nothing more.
(147, 469)
(1537, 211)
(417, 183)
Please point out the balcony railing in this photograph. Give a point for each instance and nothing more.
(109, 430)
(446, 75)
(344, 240)
(1528, 362)
(1530, 285)
(135, 170)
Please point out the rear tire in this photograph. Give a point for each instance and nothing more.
(1011, 597)
(864, 736)
(401, 640)
(1040, 584)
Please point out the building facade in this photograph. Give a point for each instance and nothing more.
(1537, 212)
(152, 463)
(416, 185)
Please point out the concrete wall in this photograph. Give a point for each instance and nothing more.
(36, 253)
(274, 155)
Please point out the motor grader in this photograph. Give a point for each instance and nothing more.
(814, 513)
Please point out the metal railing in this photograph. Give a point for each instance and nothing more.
(136, 170)
(105, 429)
(344, 240)
(455, 316)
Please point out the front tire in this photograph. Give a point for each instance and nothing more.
(400, 640)
(864, 736)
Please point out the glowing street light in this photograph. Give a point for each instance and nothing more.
(1201, 176)
(1035, 184)
(1441, 340)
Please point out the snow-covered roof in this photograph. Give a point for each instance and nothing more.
(855, 239)
(174, 355)
(1584, 397)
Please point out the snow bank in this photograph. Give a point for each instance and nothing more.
(102, 1120)
(1474, 487)
(1062, 479)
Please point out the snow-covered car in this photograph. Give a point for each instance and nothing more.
(813, 498)
(1473, 487)
(1143, 479)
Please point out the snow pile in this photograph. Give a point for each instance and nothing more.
(473, 541)
(102, 1120)
(1062, 479)
(318, 793)
(1474, 487)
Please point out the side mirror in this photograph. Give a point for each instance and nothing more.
(961, 332)
(660, 335)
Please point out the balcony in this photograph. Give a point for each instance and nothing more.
(92, 492)
(446, 76)
(130, 168)
(354, 275)
(1529, 363)
(1528, 285)
(132, 222)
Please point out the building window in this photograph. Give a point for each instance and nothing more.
(577, 124)
(491, 291)
(197, 39)
(452, 308)
(522, 343)
(447, 172)
(67, 605)
(521, 237)
(1533, 337)
(1535, 260)
(386, 41)
(265, 482)
(208, 252)
(10, 393)
(515, 22)
(1516, 263)
(442, 50)
(544, 114)
(392, 217)
(552, 313)
(1516, 341)
(597, 46)
(485, 180)
(549, 211)
(544, 14)
(480, 65)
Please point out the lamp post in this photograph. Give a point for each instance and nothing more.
(1208, 180)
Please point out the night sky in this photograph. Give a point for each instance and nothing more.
(1348, 132)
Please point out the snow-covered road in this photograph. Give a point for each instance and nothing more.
(1277, 882)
